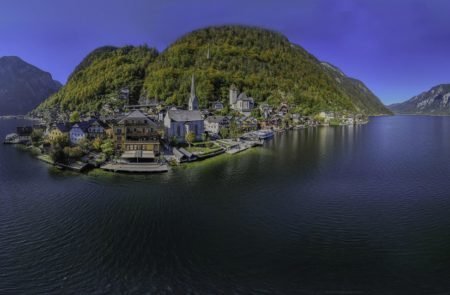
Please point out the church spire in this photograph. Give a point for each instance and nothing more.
(193, 100)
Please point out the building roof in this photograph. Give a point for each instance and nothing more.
(177, 153)
(184, 116)
(193, 100)
(84, 125)
(185, 152)
(137, 114)
(244, 96)
(24, 131)
(216, 119)
(63, 127)
(100, 122)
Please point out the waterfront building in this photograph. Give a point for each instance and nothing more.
(97, 129)
(78, 132)
(213, 124)
(177, 123)
(136, 132)
(24, 134)
(58, 129)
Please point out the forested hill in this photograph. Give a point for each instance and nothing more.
(99, 77)
(260, 62)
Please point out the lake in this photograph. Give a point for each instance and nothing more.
(334, 210)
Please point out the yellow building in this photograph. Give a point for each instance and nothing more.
(57, 130)
(136, 132)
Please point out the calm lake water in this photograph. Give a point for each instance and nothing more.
(334, 210)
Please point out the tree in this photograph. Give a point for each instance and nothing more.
(97, 144)
(36, 137)
(205, 136)
(234, 130)
(190, 137)
(74, 117)
(73, 153)
(108, 147)
(85, 145)
(58, 143)
(224, 132)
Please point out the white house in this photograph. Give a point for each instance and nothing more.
(241, 103)
(78, 132)
(213, 124)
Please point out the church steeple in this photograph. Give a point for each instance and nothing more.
(193, 100)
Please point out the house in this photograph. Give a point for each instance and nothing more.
(177, 123)
(283, 109)
(296, 119)
(241, 102)
(124, 94)
(248, 124)
(266, 110)
(136, 132)
(24, 134)
(213, 124)
(78, 132)
(97, 129)
(58, 129)
(217, 106)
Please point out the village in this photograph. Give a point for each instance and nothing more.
(149, 137)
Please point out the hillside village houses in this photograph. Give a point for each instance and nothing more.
(213, 124)
(177, 123)
(241, 102)
(78, 132)
(136, 133)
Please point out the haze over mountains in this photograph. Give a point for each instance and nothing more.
(432, 102)
(263, 63)
(23, 86)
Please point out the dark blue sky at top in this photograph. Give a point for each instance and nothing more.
(397, 47)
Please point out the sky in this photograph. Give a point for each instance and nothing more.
(398, 48)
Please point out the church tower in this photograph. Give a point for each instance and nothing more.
(193, 100)
(233, 95)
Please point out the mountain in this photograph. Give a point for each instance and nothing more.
(97, 80)
(263, 63)
(432, 102)
(23, 86)
(361, 96)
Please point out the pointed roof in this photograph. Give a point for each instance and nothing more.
(193, 100)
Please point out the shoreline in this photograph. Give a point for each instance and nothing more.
(45, 158)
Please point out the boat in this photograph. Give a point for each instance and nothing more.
(264, 134)
(12, 138)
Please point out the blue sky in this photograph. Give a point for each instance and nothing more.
(399, 48)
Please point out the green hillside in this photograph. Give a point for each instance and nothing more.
(100, 76)
(260, 62)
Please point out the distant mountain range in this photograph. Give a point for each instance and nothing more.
(432, 102)
(263, 63)
(23, 86)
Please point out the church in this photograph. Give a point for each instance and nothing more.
(177, 123)
(241, 102)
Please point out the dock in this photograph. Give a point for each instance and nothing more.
(135, 167)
